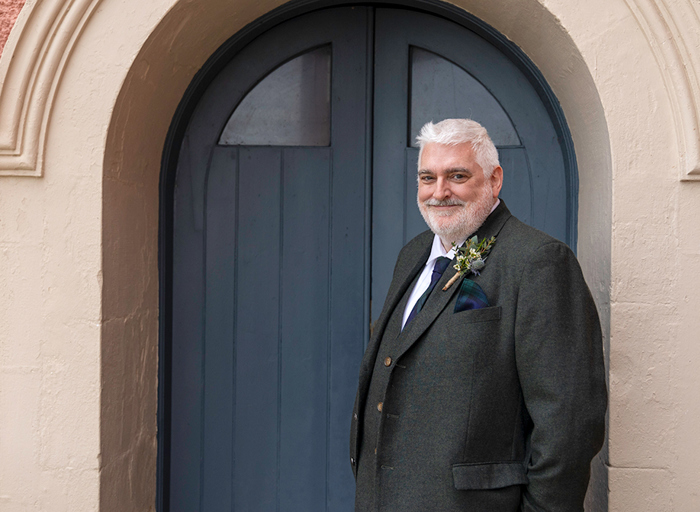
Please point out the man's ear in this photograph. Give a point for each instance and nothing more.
(496, 181)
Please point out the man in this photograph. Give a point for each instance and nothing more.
(488, 395)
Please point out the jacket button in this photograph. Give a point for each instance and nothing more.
(380, 405)
(387, 361)
(355, 416)
(352, 461)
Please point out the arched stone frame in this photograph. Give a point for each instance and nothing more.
(589, 134)
(149, 66)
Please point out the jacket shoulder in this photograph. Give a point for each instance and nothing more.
(526, 242)
(418, 243)
(412, 251)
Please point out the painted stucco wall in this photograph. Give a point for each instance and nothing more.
(49, 324)
(78, 232)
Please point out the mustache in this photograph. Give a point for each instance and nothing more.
(444, 202)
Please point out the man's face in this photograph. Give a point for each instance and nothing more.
(454, 196)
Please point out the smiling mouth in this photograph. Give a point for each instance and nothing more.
(443, 206)
(443, 203)
(445, 210)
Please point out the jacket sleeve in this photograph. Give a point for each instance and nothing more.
(559, 357)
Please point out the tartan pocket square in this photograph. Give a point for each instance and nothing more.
(470, 296)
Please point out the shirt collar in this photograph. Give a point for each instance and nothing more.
(437, 251)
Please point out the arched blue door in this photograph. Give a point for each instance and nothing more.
(294, 192)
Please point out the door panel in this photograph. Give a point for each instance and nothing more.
(267, 336)
(284, 228)
(289, 107)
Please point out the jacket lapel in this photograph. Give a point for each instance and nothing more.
(439, 299)
(406, 273)
(399, 288)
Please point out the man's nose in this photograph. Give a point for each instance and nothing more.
(442, 189)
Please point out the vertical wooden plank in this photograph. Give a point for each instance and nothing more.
(551, 210)
(188, 296)
(390, 140)
(350, 228)
(257, 331)
(221, 207)
(517, 189)
(305, 327)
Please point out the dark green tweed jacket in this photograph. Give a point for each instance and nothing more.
(500, 408)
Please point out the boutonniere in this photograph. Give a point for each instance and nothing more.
(471, 257)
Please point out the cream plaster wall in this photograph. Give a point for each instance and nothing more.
(78, 247)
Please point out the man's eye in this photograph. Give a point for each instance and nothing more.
(426, 178)
(459, 176)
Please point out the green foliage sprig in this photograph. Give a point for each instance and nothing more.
(471, 257)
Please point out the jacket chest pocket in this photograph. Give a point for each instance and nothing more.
(474, 323)
(474, 329)
(490, 314)
(462, 335)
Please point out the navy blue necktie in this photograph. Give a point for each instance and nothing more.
(438, 269)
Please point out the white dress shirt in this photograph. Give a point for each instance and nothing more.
(424, 280)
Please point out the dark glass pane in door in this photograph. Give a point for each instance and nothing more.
(289, 107)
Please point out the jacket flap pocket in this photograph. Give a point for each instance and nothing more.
(490, 475)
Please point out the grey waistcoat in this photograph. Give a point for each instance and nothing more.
(367, 470)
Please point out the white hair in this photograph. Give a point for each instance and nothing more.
(460, 131)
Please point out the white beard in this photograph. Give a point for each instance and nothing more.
(454, 227)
